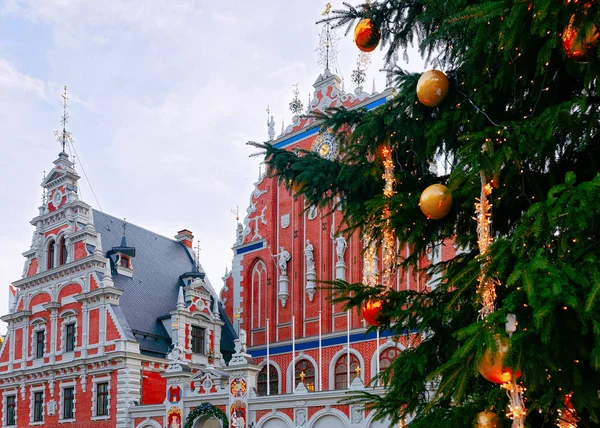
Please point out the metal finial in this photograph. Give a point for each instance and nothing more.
(296, 105)
(124, 226)
(64, 137)
(236, 211)
(198, 254)
(359, 74)
(327, 49)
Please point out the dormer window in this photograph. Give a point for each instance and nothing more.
(62, 259)
(50, 261)
(124, 261)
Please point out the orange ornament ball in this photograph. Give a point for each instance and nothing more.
(432, 88)
(580, 43)
(367, 35)
(492, 365)
(436, 201)
(371, 310)
(487, 419)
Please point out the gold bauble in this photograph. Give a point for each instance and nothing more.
(487, 419)
(580, 43)
(432, 88)
(492, 366)
(367, 35)
(436, 201)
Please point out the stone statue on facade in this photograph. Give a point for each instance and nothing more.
(284, 258)
(271, 125)
(340, 248)
(309, 255)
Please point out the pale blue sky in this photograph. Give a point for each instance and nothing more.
(164, 95)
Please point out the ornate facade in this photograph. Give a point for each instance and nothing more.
(113, 325)
(100, 305)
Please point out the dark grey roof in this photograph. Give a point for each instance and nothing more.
(153, 290)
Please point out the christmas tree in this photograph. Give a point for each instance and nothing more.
(513, 134)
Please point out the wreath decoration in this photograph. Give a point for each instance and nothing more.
(206, 409)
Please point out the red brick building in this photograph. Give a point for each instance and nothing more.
(100, 305)
(283, 249)
(115, 326)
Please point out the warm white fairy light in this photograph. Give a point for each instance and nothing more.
(516, 408)
(370, 271)
(389, 238)
(487, 285)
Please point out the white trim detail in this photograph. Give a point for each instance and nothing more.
(342, 353)
(32, 392)
(10, 393)
(63, 385)
(290, 387)
(95, 382)
(276, 415)
(329, 412)
(272, 363)
(149, 423)
(379, 351)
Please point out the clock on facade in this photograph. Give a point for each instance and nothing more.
(326, 146)
(56, 198)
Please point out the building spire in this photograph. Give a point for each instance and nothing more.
(63, 136)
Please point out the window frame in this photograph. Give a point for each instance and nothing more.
(272, 379)
(197, 339)
(70, 338)
(38, 406)
(340, 376)
(310, 386)
(6, 413)
(50, 254)
(64, 407)
(63, 252)
(40, 333)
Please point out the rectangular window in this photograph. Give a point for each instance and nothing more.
(197, 340)
(68, 401)
(10, 410)
(40, 337)
(102, 399)
(38, 406)
(69, 337)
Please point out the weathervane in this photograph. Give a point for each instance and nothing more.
(359, 74)
(296, 105)
(236, 211)
(198, 254)
(327, 50)
(63, 136)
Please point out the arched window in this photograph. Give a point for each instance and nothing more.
(305, 372)
(261, 382)
(62, 257)
(341, 370)
(50, 261)
(387, 356)
(259, 282)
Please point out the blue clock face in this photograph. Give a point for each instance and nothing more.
(326, 146)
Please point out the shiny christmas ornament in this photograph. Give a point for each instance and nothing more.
(492, 366)
(580, 43)
(432, 88)
(436, 201)
(367, 35)
(487, 419)
(371, 310)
